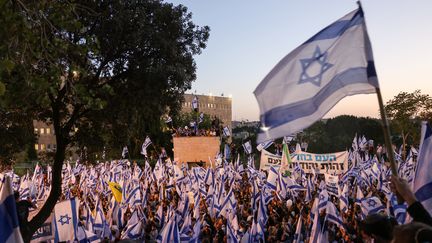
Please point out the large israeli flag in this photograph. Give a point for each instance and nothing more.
(422, 183)
(9, 225)
(309, 81)
(66, 220)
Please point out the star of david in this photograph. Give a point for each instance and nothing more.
(313, 68)
(64, 219)
(371, 203)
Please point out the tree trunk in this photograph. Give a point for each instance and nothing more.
(56, 182)
(54, 195)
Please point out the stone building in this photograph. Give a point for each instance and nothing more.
(46, 137)
(218, 106)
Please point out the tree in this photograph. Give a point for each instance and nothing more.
(405, 111)
(95, 64)
(185, 119)
(16, 134)
(336, 134)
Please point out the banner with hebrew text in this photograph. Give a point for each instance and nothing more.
(332, 163)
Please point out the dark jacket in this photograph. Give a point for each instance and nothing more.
(419, 213)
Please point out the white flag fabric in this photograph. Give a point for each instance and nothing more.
(309, 81)
(125, 152)
(333, 215)
(264, 145)
(170, 232)
(66, 220)
(226, 132)
(297, 234)
(9, 226)
(343, 199)
(247, 147)
(370, 205)
(422, 183)
(272, 178)
(144, 146)
(195, 103)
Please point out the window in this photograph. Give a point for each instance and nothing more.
(48, 146)
(36, 146)
(42, 131)
(42, 146)
(48, 130)
(36, 130)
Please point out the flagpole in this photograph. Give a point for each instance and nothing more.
(386, 130)
(385, 125)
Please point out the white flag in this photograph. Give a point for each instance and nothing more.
(309, 81)
(247, 147)
(125, 152)
(226, 132)
(9, 226)
(195, 103)
(66, 219)
(144, 146)
(264, 145)
(422, 183)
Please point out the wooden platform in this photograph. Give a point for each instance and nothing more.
(196, 149)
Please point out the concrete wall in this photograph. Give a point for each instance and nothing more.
(195, 149)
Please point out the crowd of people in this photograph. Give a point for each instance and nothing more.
(232, 202)
(191, 132)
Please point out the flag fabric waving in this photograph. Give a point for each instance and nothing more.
(264, 145)
(144, 146)
(195, 103)
(116, 190)
(309, 81)
(226, 132)
(125, 152)
(422, 183)
(66, 220)
(247, 147)
(9, 226)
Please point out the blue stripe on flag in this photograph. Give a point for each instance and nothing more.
(338, 28)
(290, 112)
(8, 217)
(424, 193)
(74, 216)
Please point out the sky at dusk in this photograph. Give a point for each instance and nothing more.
(248, 38)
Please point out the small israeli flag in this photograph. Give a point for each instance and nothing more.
(195, 103)
(125, 152)
(335, 63)
(247, 147)
(370, 205)
(144, 146)
(226, 132)
(168, 119)
(288, 139)
(264, 145)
